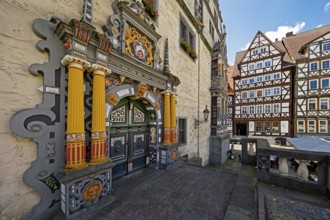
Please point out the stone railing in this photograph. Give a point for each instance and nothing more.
(285, 166)
(295, 169)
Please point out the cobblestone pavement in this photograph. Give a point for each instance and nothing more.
(186, 192)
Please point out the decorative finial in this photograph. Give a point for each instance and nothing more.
(87, 14)
(166, 59)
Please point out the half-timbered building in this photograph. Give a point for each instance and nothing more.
(230, 100)
(310, 50)
(262, 89)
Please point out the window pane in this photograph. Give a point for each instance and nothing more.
(313, 66)
(325, 83)
(313, 84)
(325, 64)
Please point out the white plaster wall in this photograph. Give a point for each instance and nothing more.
(18, 90)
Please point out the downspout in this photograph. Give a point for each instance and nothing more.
(198, 89)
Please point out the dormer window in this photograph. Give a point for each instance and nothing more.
(326, 47)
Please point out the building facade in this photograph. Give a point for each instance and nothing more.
(99, 94)
(311, 52)
(281, 87)
(230, 102)
(262, 88)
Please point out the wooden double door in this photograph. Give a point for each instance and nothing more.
(129, 137)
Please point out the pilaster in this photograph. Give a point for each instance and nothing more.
(173, 118)
(167, 118)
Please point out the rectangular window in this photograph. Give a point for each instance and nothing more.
(229, 110)
(313, 84)
(251, 110)
(214, 68)
(244, 110)
(275, 127)
(259, 65)
(268, 77)
(259, 93)
(251, 80)
(277, 91)
(182, 131)
(251, 66)
(314, 66)
(323, 126)
(324, 103)
(311, 104)
(259, 126)
(325, 84)
(267, 126)
(254, 52)
(244, 81)
(268, 63)
(229, 123)
(186, 35)
(277, 76)
(311, 126)
(244, 95)
(268, 108)
(325, 64)
(183, 31)
(267, 92)
(259, 78)
(326, 46)
(276, 108)
(301, 126)
(214, 112)
(263, 50)
(251, 94)
(259, 109)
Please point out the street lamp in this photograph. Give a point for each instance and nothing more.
(206, 116)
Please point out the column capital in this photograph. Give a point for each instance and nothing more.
(98, 69)
(166, 92)
(75, 61)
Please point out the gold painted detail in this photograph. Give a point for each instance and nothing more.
(138, 46)
(97, 135)
(92, 191)
(173, 155)
(75, 137)
(167, 129)
(113, 99)
(156, 106)
(141, 89)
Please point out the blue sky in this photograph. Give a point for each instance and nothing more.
(243, 18)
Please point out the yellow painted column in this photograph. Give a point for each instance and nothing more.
(173, 118)
(75, 133)
(98, 140)
(167, 118)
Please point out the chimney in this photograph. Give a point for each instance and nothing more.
(289, 34)
(276, 39)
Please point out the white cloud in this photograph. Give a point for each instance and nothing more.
(282, 30)
(320, 25)
(246, 46)
(327, 7)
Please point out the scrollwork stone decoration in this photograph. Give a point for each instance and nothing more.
(43, 123)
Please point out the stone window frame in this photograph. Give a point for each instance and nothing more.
(188, 33)
(183, 120)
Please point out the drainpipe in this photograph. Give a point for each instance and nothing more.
(198, 89)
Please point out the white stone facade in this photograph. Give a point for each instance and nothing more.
(19, 89)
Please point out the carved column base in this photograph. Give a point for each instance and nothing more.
(173, 135)
(75, 154)
(167, 136)
(283, 166)
(98, 149)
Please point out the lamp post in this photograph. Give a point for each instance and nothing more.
(206, 116)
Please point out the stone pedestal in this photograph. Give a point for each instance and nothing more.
(168, 156)
(84, 190)
(219, 146)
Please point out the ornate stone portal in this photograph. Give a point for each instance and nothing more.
(74, 167)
